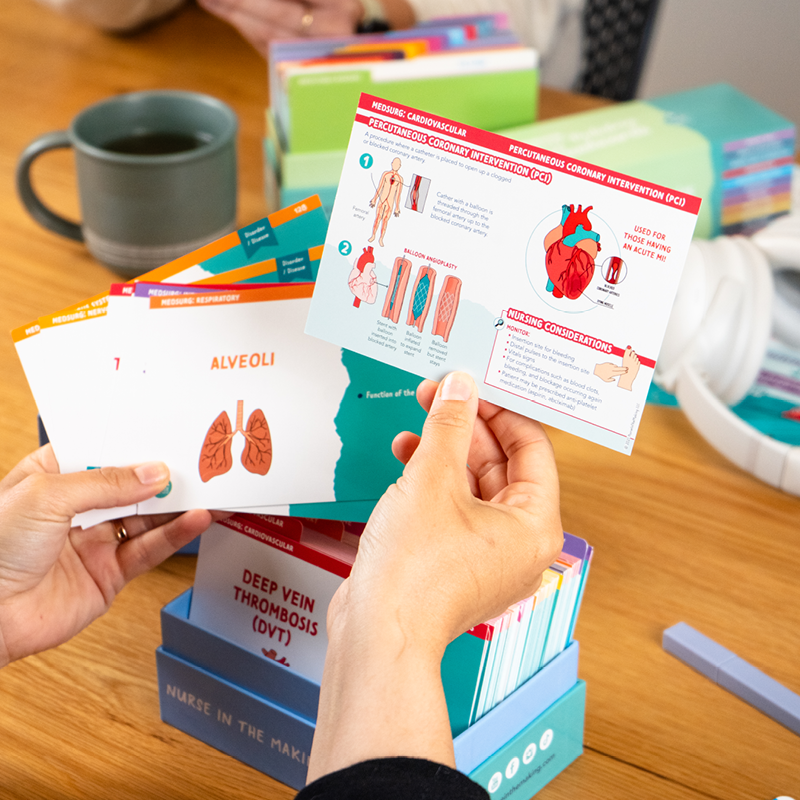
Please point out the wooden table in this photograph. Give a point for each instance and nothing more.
(680, 534)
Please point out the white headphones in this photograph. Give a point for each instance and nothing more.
(734, 294)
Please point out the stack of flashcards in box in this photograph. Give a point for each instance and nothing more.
(472, 69)
(265, 583)
(203, 363)
(250, 639)
(485, 665)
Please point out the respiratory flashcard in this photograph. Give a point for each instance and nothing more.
(548, 279)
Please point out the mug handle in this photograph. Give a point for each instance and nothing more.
(37, 209)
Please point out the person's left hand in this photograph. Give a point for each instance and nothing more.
(261, 21)
(54, 579)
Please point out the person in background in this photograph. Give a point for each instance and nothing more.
(552, 27)
(465, 532)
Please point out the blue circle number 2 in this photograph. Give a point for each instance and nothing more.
(345, 248)
(366, 161)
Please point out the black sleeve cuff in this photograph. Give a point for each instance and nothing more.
(394, 779)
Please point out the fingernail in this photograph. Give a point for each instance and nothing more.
(457, 386)
(151, 472)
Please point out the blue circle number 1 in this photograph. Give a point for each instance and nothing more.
(366, 161)
(345, 248)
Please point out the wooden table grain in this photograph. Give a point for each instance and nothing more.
(680, 533)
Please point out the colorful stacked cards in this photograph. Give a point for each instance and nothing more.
(486, 664)
(213, 374)
(472, 68)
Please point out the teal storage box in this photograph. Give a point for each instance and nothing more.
(263, 714)
(532, 758)
(714, 142)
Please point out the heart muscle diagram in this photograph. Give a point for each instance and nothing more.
(215, 455)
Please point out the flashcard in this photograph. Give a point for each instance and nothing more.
(280, 248)
(266, 585)
(548, 279)
(249, 412)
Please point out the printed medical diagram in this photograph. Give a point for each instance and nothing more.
(363, 282)
(215, 454)
(571, 250)
(549, 279)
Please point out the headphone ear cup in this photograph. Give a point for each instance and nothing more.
(780, 243)
(720, 322)
(786, 307)
(741, 361)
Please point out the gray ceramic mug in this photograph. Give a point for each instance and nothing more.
(156, 177)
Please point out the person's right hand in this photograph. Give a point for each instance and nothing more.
(464, 533)
(470, 526)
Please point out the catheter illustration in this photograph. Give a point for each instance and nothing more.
(401, 272)
(447, 307)
(215, 454)
(570, 251)
(421, 297)
(417, 193)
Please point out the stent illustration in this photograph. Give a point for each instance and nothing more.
(614, 270)
(447, 307)
(215, 454)
(386, 200)
(401, 272)
(362, 281)
(571, 248)
(421, 297)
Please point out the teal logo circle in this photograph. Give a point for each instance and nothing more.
(345, 248)
(165, 491)
(366, 161)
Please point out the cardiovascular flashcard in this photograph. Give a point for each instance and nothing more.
(268, 592)
(548, 279)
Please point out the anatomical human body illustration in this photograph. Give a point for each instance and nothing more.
(362, 281)
(386, 200)
(571, 248)
(215, 454)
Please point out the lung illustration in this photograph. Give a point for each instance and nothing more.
(215, 454)
(447, 307)
(421, 297)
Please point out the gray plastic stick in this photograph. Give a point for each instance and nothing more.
(734, 674)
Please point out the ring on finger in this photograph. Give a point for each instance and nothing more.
(307, 20)
(121, 532)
